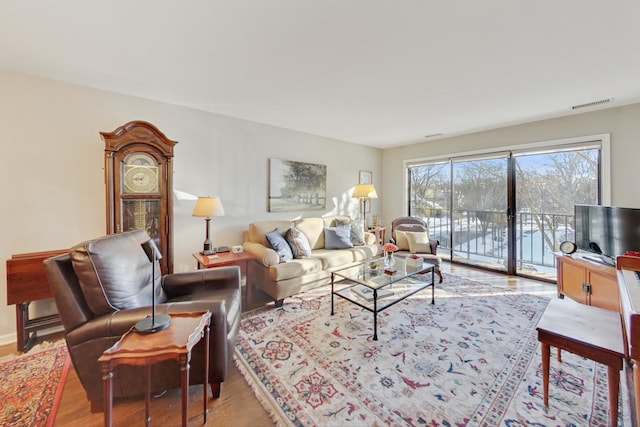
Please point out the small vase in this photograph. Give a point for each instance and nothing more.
(389, 260)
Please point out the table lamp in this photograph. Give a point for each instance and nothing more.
(364, 193)
(207, 206)
(152, 324)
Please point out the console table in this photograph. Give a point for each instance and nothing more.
(27, 282)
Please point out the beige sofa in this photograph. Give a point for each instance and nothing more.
(283, 279)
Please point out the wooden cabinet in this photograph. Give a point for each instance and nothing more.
(139, 184)
(588, 282)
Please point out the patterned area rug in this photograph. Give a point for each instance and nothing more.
(472, 359)
(32, 385)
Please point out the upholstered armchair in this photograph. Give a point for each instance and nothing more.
(102, 287)
(411, 235)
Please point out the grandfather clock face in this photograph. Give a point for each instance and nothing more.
(141, 199)
(140, 174)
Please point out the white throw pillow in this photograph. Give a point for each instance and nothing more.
(418, 242)
(401, 240)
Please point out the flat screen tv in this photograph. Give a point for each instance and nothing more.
(607, 231)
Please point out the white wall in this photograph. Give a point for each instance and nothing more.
(621, 123)
(52, 177)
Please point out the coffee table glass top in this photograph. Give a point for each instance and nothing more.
(371, 272)
(358, 282)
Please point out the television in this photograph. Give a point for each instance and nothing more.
(606, 231)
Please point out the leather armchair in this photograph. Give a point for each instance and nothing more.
(102, 287)
(416, 225)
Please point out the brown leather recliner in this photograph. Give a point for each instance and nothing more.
(416, 225)
(102, 287)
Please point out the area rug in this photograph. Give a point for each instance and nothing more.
(472, 359)
(31, 386)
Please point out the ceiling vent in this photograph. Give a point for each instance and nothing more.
(591, 104)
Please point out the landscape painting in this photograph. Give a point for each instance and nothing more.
(296, 186)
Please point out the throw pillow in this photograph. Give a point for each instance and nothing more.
(401, 240)
(337, 237)
(357, 230)
(299, 243)
(418, 242)
(280, 245)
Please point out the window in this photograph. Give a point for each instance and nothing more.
(507, 210)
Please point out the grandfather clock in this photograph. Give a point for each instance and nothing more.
(139, 182)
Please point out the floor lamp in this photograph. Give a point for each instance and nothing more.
(152, 324)
(207, 207)
(364, 193)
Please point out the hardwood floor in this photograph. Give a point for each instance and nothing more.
(237, 405)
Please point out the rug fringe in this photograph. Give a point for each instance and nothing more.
(272, 409)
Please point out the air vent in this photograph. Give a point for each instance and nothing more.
(591, 104)
(433, 135)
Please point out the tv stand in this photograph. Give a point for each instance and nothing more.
(588, 281)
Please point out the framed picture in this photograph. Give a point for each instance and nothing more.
(296, 186)
(366, 177)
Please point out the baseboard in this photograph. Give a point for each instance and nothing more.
(11, 338)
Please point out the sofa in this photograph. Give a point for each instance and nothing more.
(103, 287)
(281, 275)
(411, 235)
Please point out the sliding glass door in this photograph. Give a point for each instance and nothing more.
(480, 212)
(505, 211)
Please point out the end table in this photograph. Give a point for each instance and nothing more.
(175, 342)
(221, 259)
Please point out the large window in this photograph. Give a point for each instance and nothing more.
(506, 211)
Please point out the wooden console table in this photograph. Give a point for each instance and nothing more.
(172, 343)
(27, 282)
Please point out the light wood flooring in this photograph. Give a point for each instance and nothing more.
(237, 405)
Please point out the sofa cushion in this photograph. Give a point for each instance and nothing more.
(295, 268)
(313, 228)
(258, 230)
(298, 242)
(115, 273)
(418, 242)
(337, 237)
(332, 259)
(280, 245)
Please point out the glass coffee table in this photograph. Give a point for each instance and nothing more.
(369, 286)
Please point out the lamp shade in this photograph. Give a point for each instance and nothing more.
(364, 191)
(208, 206)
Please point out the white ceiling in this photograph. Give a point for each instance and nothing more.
(373, 72)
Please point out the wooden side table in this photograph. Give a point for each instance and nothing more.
(380, 233)
(242, 260)
(175, 342)
(590, 332)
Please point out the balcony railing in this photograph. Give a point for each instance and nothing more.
(480, 237)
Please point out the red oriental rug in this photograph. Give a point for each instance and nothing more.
(31, 386)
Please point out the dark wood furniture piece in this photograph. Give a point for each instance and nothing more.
(590, 332)
(587, 282)
(27, 282)
(244, 260)
(172, 343)
(139, 184)
(629, 287)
